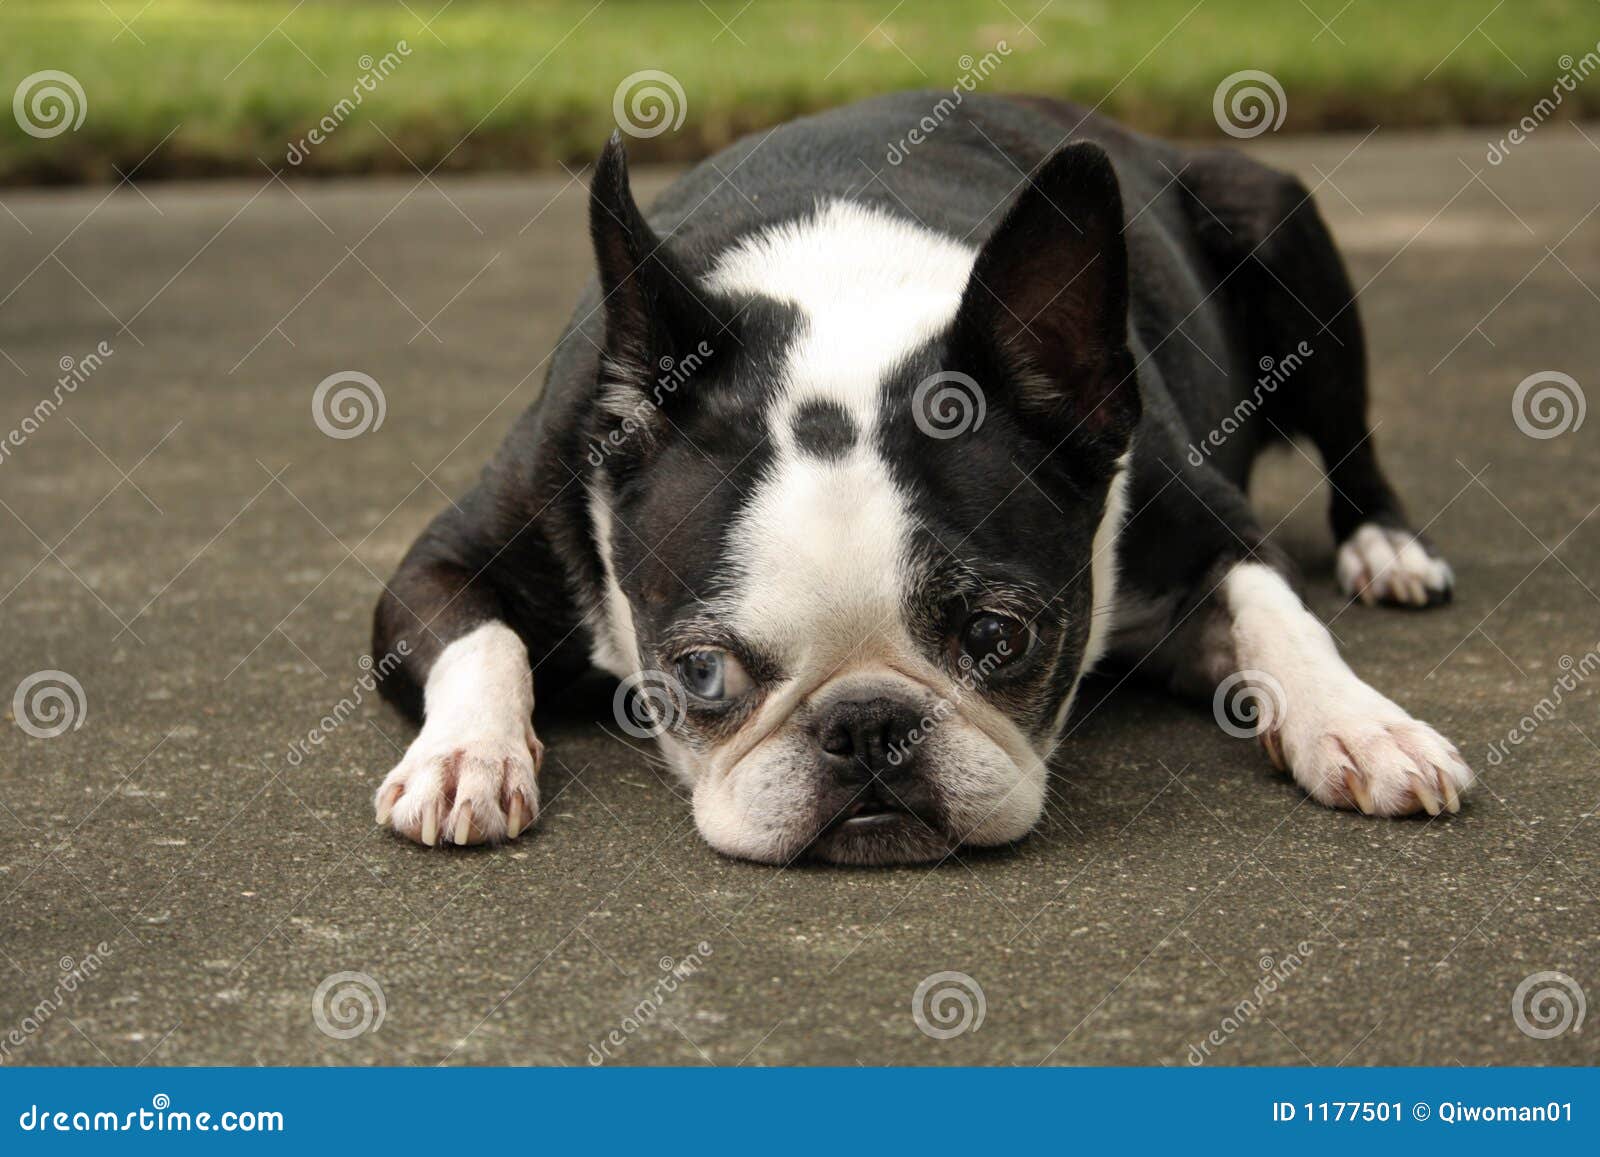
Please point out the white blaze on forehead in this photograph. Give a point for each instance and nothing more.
(821, 547)
(821, 557)
(870, 287)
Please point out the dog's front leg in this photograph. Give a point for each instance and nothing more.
(1252, 649)
(1345, 743)
(473, 600)
(470, 775)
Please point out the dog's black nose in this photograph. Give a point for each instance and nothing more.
(864, 738)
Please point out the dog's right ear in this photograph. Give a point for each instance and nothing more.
(653, 308)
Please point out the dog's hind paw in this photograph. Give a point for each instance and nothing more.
(1379, 564)
(474, 791)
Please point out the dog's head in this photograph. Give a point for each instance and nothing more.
(854, 488)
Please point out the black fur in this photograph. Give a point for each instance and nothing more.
(1126, 289)
(824, 429)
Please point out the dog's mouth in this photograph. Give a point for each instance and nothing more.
(871, 830)
(869, 820)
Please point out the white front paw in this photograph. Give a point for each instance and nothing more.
(461, 789)
(1360, 750)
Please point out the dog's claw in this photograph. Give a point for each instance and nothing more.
(1273, 743)
(386, 802)
(1427, 797)
(1384, 564)
(1356, 785)
(474, 793)
(1452, 798)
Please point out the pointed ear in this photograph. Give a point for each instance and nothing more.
(1048, 297)
(654, 309)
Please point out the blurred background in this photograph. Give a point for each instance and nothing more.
(207, 87)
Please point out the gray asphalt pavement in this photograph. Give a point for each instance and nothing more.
(181, 539)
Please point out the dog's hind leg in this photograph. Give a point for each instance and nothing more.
(1296, 309)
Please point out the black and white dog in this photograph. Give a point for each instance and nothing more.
(861, 468)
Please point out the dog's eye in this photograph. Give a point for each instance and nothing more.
(993, 640)
(713, 675)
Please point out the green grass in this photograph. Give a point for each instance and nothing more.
(498, 84)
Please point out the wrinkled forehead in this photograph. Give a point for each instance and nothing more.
(821, 555)
(799, 540)
(823, 548)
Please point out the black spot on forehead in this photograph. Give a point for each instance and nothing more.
(823, 429)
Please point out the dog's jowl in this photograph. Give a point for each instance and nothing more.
(855, 470)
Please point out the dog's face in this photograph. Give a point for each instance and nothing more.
(854, 490)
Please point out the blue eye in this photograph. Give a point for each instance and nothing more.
(712, 675)
(701, 673)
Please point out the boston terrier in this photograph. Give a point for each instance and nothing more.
(852, 470)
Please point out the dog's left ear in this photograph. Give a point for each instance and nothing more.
(654, 309)
(1048, 296)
